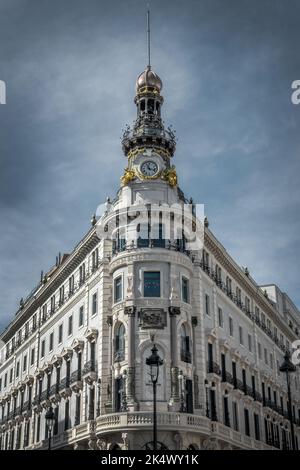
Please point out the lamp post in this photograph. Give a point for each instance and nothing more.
(50, 418)
(154, 362)
(288, 367)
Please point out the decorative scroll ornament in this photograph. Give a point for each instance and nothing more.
(170, 176)
(128, 176)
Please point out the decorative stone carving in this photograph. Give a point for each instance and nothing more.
(109, 320)
(152, 318)
(210, 444)
(174, 311)
(194, 321)
(130, 311)
(101, 444)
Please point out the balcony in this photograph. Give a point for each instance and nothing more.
(89, 373)
(213, 368)
(64, 387)
(185, 356)
(238, 385)
(76, 383)
(174, 245)
(227, 377)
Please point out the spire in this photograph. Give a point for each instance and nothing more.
(148, 36)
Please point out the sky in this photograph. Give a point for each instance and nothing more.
(70, 68)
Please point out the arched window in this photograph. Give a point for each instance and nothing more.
(120, 343)
(185, 350)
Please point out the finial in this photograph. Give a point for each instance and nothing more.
(148, 34)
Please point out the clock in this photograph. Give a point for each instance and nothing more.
(149, 168)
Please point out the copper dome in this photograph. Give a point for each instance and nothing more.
(148, 78)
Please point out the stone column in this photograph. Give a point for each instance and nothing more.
(174, 399)
(130, 311)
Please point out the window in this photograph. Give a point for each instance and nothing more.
(263, 319)
(70, 325)
(82, 274)
(94, 303)
(10, 376)
(247, 304)
(0, 384)
(51, 342)
(207, 306)
(95, 255)
(238, 295)
(257, 313)
(52, 301)
(25, 363)
(256, 427)
(5, 380)
(271, 361)
(205, 259)
(259, 350)
(151, 284)
(43, 348)
(185, 353)
(34, 322)
(61, 295)
(71, 285)
(247, 424)
(81, 316)
(118, 289)
(120, 343)
(266, 356)
(60, 334)
(230, 326)
(185, 294)
(241, 335)
(220, 316)
(32, 356)
(44, 312)
(228, 285)
(250, 343)
(235, 416)
(18, 369)
(218, 274)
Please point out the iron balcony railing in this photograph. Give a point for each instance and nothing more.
(185, 356)
(213, 368)
(227, 377)
(76, 376)
(88, 367)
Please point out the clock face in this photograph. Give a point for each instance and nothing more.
(149, 168)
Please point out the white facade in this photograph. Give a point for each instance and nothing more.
(79, 343)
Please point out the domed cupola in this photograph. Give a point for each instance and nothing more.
(148, 80)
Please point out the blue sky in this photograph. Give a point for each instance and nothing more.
(70, 68)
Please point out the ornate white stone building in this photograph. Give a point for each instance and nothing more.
(79, 342)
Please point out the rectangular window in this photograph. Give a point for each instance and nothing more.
(151, 284)
(266, 356)
(81, 316)
(256, 427)
(94, 304)
(10, 375)
(32, 356)
(60, 334)
(220, 316)
(61, 295)
(51, 337)
(207, 305)
(250, 343)
(259, 350)
(71, 285)
(0, 384)
(235, 416)
(5, 380)
(230, 326)
(241, 335)
(70, 325)
(118, 289)
(52, 301)
(247, 424)
(18, 369)
(271, 361)
(185, 294)
(82, 274)
(25, 363)
(43, 348)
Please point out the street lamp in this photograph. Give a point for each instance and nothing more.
(288, 367)
(154, 361)
(50, 418)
